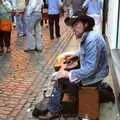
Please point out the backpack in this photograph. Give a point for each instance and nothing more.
(106, 93)
(41, 108)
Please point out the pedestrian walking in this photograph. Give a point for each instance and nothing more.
(5, 25)
(94, 9)
(32, 20)
(54, 16)
(20, 7)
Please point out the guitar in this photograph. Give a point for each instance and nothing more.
(67, 62)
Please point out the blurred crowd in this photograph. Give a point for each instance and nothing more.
(28, 17)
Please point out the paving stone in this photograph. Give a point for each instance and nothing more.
(3, 117)
(22, 75)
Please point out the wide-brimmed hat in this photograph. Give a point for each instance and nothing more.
(79, 16)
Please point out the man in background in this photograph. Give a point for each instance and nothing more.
(32, 20)
(54, 15)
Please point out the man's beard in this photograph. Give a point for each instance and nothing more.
(79, 35)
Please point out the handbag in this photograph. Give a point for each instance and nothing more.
(5, 25)
(106, 93)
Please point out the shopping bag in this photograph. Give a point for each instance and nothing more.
(5, 25)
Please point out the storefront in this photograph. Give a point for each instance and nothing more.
(112, 32)
(112, 25)
(118, 28)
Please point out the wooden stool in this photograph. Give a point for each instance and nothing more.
(88, 104)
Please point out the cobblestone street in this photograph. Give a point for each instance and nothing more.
(23, 75)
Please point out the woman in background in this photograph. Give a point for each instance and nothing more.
(5, 25)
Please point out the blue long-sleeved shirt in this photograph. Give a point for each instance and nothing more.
(54, 7)
(94, 6)
(93, 60)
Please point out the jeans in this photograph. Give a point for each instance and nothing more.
(33, 25)
(56, 96)
(54, 20)
(54, 104)
(20, 24)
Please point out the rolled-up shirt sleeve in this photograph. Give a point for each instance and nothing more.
(89, 65)
(72, 80)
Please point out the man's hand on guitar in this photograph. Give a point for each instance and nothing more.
(67, 62)
(68, 57)
(70, 62)
(62, 74)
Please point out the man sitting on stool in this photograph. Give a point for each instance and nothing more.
(93, 61)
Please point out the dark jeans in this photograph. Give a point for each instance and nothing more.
(5, 38)
(56, 96)
(54, 104)
(54, 19)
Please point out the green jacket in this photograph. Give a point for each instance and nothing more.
(5, 10)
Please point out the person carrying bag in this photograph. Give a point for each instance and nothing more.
(5, 25)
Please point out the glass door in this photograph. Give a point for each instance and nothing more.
(118, 28)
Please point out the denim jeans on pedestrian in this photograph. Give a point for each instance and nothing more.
(20, 24)
(33, 25)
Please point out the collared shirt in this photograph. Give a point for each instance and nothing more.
(34, 6)
(93, 60)
(54, 7)
(94, 6)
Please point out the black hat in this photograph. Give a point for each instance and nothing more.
(79, 16)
